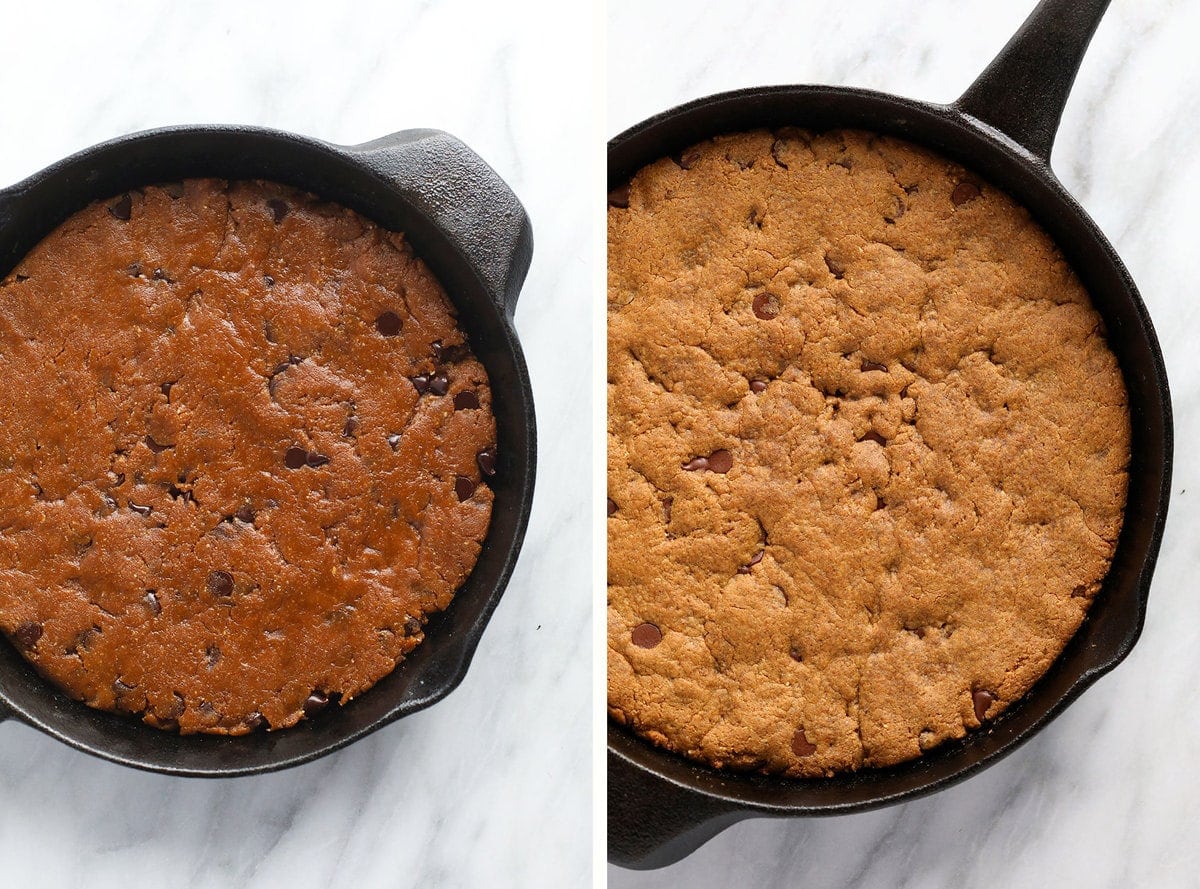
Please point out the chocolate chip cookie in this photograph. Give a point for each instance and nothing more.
(867, 452)
(244, 448)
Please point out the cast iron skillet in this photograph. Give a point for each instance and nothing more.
(465, 222)
(662, 808)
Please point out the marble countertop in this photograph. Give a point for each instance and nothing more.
(1106, 795)
(492, 786)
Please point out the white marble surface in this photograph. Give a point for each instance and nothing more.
(491, 787)
(1106, 796)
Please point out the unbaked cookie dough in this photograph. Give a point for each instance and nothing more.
(243, 447)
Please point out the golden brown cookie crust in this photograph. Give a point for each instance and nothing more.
(867, 452)
(238, 454)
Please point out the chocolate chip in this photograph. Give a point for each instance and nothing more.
(766, 306)
(134, 270)
(435, 349)
(139, 508)
(122, 209)
(388, 324)
(871, 365)
(668, 507)
(687, 158)
(451, 353)
(84, 639)
(151, 600)
(350, 428)
(27, 633)
(696, 464)
(796, 654)
(278, 209)
(245, 513)
(121, 691)
(758, 386)
(270, 282)
(464, 488)
(754, 560)
(801, 745)
(619, 197)
(612, 506)
(487, 461)
(982, 699)
(212, 654)
(646, 636)
(156, 447)
(412, 626)
(161, 275)
(394, 440)
(313, 459)
(720, 461)
(315, 703)
(439, 384)
(220, 584)
(165, 389)
(875, 437)
(835, 268)
(466, 401)
(255, 721)
(420, 383)
(963, 192)
(295, 458)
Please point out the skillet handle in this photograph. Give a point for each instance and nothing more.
(653, 823)
(1023, 91)
(450, 184)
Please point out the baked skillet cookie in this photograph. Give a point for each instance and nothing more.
(867, 452)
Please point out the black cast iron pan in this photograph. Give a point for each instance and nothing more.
(660, 807)
(466, 223)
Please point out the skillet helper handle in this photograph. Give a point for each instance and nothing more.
(1023, 91)
(652, 823)
(455, 188)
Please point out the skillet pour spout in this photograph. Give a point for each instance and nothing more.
(469, 227)
(662, 807)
